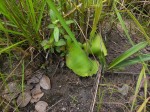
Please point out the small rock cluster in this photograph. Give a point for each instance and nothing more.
(31, 94)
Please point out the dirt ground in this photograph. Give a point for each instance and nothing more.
(70, 93)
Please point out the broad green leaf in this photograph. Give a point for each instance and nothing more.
(51, 26)
(127, 53)
(56, 34)
(132, 61)
(61, 42)
(46, 44)
(62, 21)
(51, 39)
(79, 63)
(95, 46)
(47, 47)
(68, 22)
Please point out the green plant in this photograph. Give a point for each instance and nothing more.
(126, 54)
(22, 20)
(27, 25)
(56, 40)
(96, 45)
(79, 62)
(138, 86)
(76, 59)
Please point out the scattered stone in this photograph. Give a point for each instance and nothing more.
(36, 94)
(63, 109)
(24, 99)
(11, 91)
(11, 87)
(31, 94)
(39, 74)
(10, 96)
(35, 79)
(45, 82)
(124, 89)
(41, 106)
(28, 87)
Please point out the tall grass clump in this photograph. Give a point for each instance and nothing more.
(21, 20)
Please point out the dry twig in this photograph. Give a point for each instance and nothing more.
(95, 90)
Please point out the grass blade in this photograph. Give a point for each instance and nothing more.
(145, 89)
(138, 87)
(12, 46)
(40, 15)
(128, 53)
(135, 60)
(139, 26)
(31, 12)
(143, 105)
(7, 30)
(123, 24)
(98, 11)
